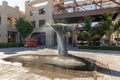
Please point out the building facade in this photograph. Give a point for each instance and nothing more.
(40, 12)
(43, 13)
(8, 14)
(40, 16)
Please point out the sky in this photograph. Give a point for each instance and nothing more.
(20, 3)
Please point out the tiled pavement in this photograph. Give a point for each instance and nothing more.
(11, 71)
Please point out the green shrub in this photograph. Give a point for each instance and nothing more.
(9, 45)
(100, 47)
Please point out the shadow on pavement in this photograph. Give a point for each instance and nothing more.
(108, 71)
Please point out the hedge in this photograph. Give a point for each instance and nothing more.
(100, 47)
(9, 45)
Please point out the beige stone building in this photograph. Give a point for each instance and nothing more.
(40, 15)
(8, 15)
(42, 12)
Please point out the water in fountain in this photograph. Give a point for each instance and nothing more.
(55, 66)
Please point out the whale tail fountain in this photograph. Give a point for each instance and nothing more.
(61, 29)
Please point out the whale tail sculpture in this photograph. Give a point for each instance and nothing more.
(62, 46)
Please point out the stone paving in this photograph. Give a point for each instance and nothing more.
(15, 71)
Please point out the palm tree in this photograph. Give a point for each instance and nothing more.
(117, 32)
(98, 32)
(107, 24)
(87, 29)
(117, 27)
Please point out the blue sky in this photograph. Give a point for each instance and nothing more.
(20, 3)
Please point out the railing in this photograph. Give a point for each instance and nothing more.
(86, 13)
(83, 8)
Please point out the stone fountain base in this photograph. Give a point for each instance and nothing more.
(68, 62)
(56, 65)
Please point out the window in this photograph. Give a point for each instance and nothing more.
(9, 22)
(33, 23)
(32, 12)
(12, 36)
(41, 22)
(42, 11)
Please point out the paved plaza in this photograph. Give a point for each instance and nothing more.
(15, 71)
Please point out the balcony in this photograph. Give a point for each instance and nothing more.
(58, 15)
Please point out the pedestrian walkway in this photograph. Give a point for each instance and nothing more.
(15, 71)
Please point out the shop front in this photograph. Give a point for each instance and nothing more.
(41, 36)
